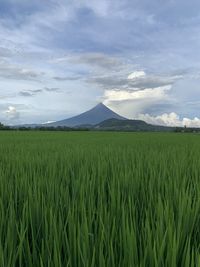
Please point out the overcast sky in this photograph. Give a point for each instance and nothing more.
(139, 57)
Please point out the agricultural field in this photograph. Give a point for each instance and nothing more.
(99, 199)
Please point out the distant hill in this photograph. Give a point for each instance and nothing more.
(130, 125)
(91, 117)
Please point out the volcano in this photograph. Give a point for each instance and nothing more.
(93, 116)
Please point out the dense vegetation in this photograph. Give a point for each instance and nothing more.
(99, 199)
(107, 125)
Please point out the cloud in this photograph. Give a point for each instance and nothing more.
(67, 78)
(138, 91)
(25, 93)
(33, 92)
(136, 80)
(136, 74)
(148, 93)
(47, 122)
(12, 71)
(100, 8)
(130, 103)
(29, 93)
(48, 89)
(12, 113)
(170, 119)
(5, 52)
(98, 60)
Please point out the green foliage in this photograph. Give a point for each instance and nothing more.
(3, 127)
(99, 199)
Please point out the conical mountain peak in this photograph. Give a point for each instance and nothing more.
(93, 116)
(100, 106)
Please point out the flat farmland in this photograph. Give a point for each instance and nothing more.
(99, 199)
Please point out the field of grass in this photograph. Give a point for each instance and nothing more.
(99, 199)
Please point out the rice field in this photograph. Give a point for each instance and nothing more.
(99, 199)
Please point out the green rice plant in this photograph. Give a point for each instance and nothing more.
(99, 199)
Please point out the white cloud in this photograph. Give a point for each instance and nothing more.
(170, 119)
(195, 122)
(136, 75)
(12, 112)
(47, 122)
(149, 93)
(130, 103)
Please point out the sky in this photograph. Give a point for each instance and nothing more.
(59, 58)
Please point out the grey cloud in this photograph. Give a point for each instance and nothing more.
(194, 103)
(29, 93)
(12, 71)
(98, 60)
(36, 91)
(76, 78)
(9, 48)
(174, 105)
(153, 81)
(5, 52)
(108, 81)
(162, 107)
(25, 93)
(9, 95)
(33, 92)
(48, 89)
(148, 81)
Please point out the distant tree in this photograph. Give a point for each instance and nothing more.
(3, 127)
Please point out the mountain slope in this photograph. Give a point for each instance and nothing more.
(130, 125)
(91, 117)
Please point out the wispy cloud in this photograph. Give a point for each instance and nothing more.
(29, 93)
(139, 82)
(49, 89)
(16, 72)
(33, 92)
(67, 78)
